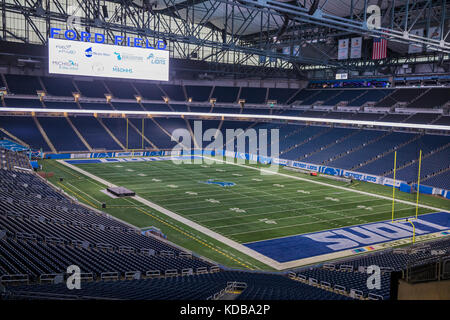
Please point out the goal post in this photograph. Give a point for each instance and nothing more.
(393, 185)
(418, 184)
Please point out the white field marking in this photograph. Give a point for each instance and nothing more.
(268, 221)
(257, 179)
(291, 202)
(364, 207)
(212, 200)
(109, 195)
(313, 215)
(326, 211)
(90, 197)
(243, 193)
(233, 244)
(237, 174)
(129, 170)
(182, 199)
(281, 211)
(142, 174)
(156, 180)
(204, 166)
(192, 193)
(332, 186)
(118, 166)
(303, 191)
(278, 185)
(220, 170)
(173, 186)
(302, 224)
(332, 199)
(237, 210)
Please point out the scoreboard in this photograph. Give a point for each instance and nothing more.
(102, 60)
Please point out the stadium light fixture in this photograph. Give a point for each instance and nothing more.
(108, 97)
(189, 99)
(41, 94)
(166, 99)
(76, 96)
(138, 98)
(229, 116)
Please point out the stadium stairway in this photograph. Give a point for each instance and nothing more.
(416, 160)
(325, 147)
(380, 156)
(44, 134)
(110, 133)
(142, 135)
(298, 145)
(438, 179)
(13, 137)
(346, 282)
(78, 134)
(341, 158)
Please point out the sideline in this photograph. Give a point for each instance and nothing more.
(235, 245)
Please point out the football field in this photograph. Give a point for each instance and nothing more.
(253, 207)
(245, 206)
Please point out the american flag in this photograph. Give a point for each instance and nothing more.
(379, 48)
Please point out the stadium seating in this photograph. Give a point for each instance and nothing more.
(22, 103)
(400, 95)
(198, 93)
(372, 95)
(281, 96)
(11, 159)
(60, 105)
(371, 150)
(122, 90)
(432, 163)
(25, 127)
(192, 287)
(23, 84)
(92, 89)
(69, 141)
(153, 132)
(46, 232)
(322, 95)
(253, 95)
(59, 86)
(96, 136)
(396, 260)
(368, 150)
(149, 91)
(435, 97)
(173, 92)
(348, 280)
(225, 94)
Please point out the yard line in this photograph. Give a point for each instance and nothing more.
(307, 223)
(83, 192)
(237, 246)
(291, 209)
(304, 215)
(333, 186)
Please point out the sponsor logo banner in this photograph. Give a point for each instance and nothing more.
(95, 59)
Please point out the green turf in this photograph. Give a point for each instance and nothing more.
(258, 207)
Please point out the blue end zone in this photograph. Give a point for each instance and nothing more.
(318, 243)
